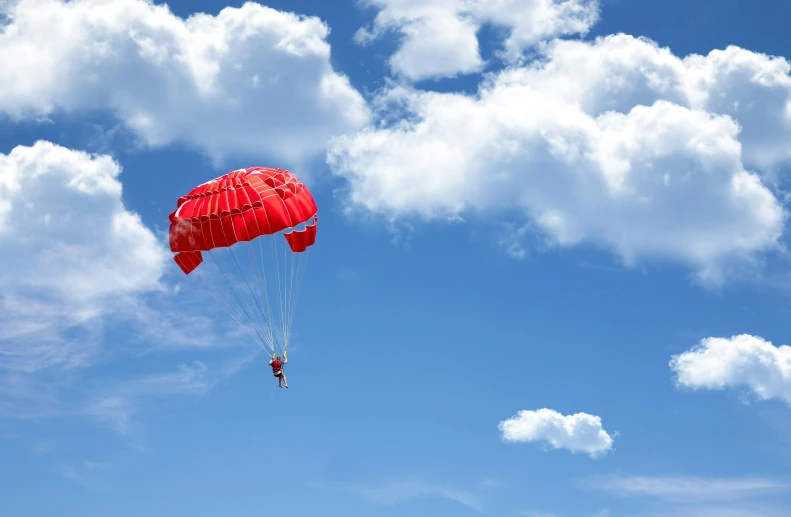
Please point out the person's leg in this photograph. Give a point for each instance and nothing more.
(283, 375)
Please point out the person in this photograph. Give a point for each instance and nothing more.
(277, 370)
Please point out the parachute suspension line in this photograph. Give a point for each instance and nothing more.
(263, 268)
(289, 271)
(296, 260)
(300, 276)
(286, 290)
(297, 264)
(257, 274)
(250, 289)
(213, 286)
(215, 290)
(279, 294)
(247, 305)
(222, 302)
(266, 287)
(263, 342)
(284, 279)
(244, 307)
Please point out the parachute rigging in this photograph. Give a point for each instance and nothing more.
(240, 211)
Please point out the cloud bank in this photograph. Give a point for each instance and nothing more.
(615, 142)
(251, 81)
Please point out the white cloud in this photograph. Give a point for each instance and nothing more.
(740, 361)
(687, 488)
(114, 411)
(439, 37)
(616, 142)
(70, 251)
(251, 81)
(579, 432)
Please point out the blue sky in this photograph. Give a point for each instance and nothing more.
(551, 274)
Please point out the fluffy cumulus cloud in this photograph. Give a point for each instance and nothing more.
(70, 251)
(738, 362)
(615, 141)
(439, 37)
(579, 432)
(251, 81)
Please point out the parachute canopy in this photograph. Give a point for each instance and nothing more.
(241, 206)
(242, 209)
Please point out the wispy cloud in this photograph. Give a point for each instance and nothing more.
(83, 473)
(394, 492)
(401, 491)
(741, 510)
(112, 403)
(112, 410)
(115, 405)
(687, 488)
(512, 241)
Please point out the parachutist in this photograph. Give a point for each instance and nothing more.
(277, 370)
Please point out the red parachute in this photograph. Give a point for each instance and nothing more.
(239, 210)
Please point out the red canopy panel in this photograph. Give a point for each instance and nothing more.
(300, 240)
(188, 260)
